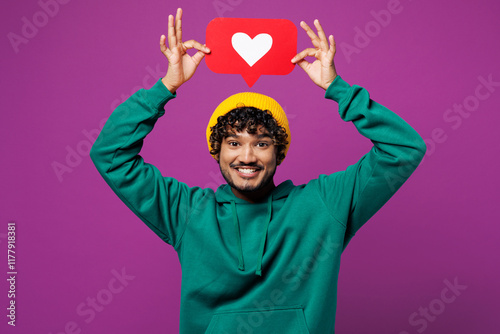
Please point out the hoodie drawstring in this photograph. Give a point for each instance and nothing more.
(264, 236)
(241, 264)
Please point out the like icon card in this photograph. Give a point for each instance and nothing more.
(251, 47)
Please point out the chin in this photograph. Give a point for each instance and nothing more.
(247, 188)
(242, 185)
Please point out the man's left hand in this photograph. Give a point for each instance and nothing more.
(322, 71)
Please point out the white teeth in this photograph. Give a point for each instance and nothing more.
(246, 170)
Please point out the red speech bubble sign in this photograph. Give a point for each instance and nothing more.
(251, 47)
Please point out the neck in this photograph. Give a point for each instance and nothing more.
(254, 196)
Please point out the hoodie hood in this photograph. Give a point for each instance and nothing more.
(224, 194)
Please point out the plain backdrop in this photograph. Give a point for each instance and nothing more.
(65, 67)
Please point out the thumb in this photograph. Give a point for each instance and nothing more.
(304, 64)
(198, 57)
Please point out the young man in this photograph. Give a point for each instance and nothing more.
(256, 257)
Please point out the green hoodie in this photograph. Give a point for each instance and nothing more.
(268, 267)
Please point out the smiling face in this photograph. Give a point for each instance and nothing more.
(248, 162)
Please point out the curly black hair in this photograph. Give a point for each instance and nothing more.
(249, 118)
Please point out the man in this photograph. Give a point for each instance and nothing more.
(256, 257)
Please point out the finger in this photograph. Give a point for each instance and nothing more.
(333, 46)
(172, 40)
(321, 35)
(163, 47)
(178, 25)
(311, 52)
(192, 44)
(311, 34)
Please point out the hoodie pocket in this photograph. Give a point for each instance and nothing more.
(259, 321)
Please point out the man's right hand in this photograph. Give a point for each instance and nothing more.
(181, 66)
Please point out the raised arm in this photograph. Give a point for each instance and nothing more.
(353, 196)
(163, 203)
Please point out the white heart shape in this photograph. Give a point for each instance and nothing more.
(251, 50)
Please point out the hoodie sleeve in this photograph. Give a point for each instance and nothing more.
(162, 203)
(356, 194)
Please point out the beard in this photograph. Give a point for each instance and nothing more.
(268, 178)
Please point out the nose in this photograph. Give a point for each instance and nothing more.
(247, 155)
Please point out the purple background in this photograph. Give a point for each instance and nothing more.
(72, 231)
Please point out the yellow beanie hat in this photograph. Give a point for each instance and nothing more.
(250, 99)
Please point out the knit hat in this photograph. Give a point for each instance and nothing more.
(250, 99)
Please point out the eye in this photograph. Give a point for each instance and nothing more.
(263, 144)
(232, 143)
